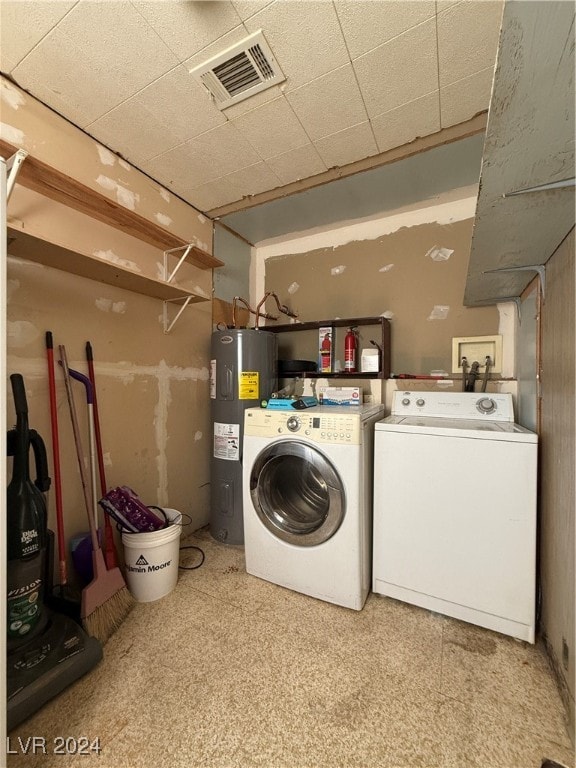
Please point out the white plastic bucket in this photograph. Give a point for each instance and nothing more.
(152, 560)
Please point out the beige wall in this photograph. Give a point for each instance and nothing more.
(557, 498)
(152, 387)
(385, 268)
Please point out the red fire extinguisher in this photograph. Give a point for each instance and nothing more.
(326, 354)
(350, 343)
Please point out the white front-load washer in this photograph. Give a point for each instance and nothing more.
(455, 509)
(307, 499)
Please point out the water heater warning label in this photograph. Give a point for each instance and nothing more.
(227, 441)
(249, 385)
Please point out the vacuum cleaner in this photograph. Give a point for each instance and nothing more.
(46, 651)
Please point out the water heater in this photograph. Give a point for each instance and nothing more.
(242, 374)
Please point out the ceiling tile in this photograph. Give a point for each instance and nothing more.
(92, 35)
(47, 74)
(420, 117)
(135, 132)
(219, 46)
(24, 24)
(180, 104)
(329, 104)
(272, 128)
(305, 38)
(188, 27)
(253, 102)
(123, 38)
(225, 149)
(462, 100)
(234, 186)
(347, 146)
(367, 25)
(467, 38)
(252, 180)
(181, 166)
(207, 196)
(297, 164)
(442, 5)
(399, 71)
(247, 8)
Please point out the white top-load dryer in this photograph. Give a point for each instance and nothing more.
(307, 493)
(455, 509)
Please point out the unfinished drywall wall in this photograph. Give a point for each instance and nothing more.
(557, 458)
(409, 267)
(152, 387)
(232, 279)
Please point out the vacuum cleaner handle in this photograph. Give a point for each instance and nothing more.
(43, 480)
(20, 402)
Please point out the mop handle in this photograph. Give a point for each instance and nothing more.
(79, 451)
(97, 433)
(90, 401)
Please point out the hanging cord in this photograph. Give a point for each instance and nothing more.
(192, 567)
(472, 376)
(486, 373)
(191, 546)
(464, 366)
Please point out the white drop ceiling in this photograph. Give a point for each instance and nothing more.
(361, 78)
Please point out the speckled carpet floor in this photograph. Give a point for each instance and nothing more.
(230, 671)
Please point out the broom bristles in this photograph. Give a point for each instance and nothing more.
(106, 601)
(106, 618)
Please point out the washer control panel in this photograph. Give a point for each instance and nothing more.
(490, 406)
(321, 427)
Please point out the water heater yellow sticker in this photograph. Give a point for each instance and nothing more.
(249, 385)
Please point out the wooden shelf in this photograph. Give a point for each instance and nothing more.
(381, 322)
(32, 248)
(47, 181)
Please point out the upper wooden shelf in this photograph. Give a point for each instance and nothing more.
(47, 181)
(33, 248)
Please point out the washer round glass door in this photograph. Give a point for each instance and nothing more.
(297, 493)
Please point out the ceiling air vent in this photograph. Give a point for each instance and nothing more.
(240, 71)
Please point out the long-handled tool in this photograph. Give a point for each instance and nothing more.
(64, 598)
(110, 554)
(106, 600)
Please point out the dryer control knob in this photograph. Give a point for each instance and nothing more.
(486, 405)
(405, 401)
(420, 402)
(293, 424)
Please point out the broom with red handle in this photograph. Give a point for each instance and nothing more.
(110, 553)
(106, 600)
